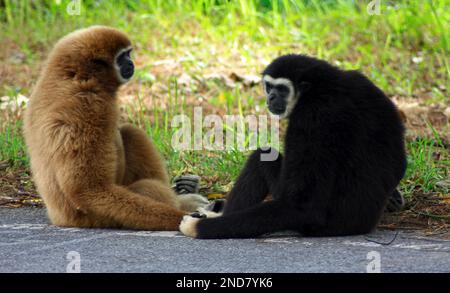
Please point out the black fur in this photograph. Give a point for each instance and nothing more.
(344, 156)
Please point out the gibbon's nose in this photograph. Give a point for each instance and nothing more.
(127, 69)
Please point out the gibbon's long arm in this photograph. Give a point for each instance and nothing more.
(302, 215)
(266, 217)
(263, 218)
(124, 207)
(131, 210)
(256, 180)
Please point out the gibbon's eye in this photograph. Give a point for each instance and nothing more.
(282, 89)
(125, 55)
(100, 62)
(125, 65)
(268, 87)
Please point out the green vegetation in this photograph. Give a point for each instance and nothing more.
(404, 50)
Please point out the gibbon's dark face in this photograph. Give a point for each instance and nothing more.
(124, 65)
(280, 95)
(288, 78)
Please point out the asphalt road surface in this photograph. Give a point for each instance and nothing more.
(28, 243)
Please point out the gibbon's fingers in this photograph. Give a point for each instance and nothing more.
(264, 218)
(217, 206)
(141, 157)
(161, 192)
(208, 213)
(192, 202)
(131, 210)
(185, 184)
(156, 190)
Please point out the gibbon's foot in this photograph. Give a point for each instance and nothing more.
(188, 226)
(189, 223)
(185, 184)
(204, 212)
(198, 215)
(395, 203)
(192, 202)
(216, 206)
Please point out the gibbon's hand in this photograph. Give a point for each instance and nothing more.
(189, 223)
(202, 213)
(185, 184)
(216, 206)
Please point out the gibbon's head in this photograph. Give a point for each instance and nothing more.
(98, 52)
(290, 77)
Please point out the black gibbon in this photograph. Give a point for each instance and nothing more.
(344, 157)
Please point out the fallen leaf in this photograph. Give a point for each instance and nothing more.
(185, 80)
(447, 112)
(402, 116)
(444, 183)
(214, 196)
(437, 118)
(221, 78)
(4, 165)
(247, 80)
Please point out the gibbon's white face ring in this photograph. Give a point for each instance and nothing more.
(291, 97)
(117, 68)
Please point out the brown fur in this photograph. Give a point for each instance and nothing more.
(90, 172)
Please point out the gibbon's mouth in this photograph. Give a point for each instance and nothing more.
(277, 110)
(127, 71)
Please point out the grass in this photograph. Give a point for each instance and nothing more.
(404, 51)
(424, 169)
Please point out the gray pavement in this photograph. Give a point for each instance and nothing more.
(28, 243)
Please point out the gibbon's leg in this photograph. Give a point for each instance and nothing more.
(159, 191)
(142, 159)
(155, 189)
(126, 209)
(146, 174)
(266, 217)
(255, 182)
(101, 203)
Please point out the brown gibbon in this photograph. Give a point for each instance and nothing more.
(90, 171)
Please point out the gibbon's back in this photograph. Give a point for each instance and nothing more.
(53, 103)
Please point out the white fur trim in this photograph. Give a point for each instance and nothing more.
(188, 226)
(119, 76)
(292, 97)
